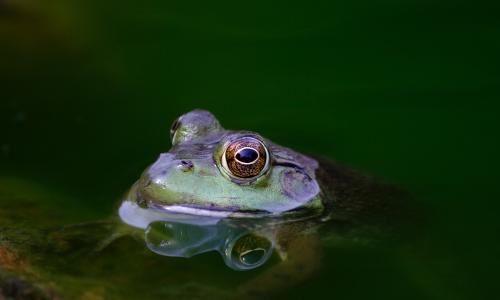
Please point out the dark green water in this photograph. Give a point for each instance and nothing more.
(406, 90)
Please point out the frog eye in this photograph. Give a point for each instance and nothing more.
(245, 158)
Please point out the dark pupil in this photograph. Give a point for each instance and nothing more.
(247, 155)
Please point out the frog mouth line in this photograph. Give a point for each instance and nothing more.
(209, 211)
(217, 212)
(143, 200)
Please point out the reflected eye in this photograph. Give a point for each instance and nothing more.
(245, 158)
(247, 251)
(250, 251)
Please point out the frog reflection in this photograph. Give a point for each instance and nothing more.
(241, 249)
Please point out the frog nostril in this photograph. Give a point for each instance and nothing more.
(185, 165)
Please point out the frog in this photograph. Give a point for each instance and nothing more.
(262, 206)
(212, 171)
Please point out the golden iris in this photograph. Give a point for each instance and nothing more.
(245, 158)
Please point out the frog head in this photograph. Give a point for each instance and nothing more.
(212, 171)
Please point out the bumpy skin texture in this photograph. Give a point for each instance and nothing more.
(192, 177)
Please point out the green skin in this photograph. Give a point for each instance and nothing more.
(286, 205)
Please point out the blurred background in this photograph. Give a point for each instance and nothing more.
(405, 90)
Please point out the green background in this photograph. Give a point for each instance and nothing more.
(406, 90)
